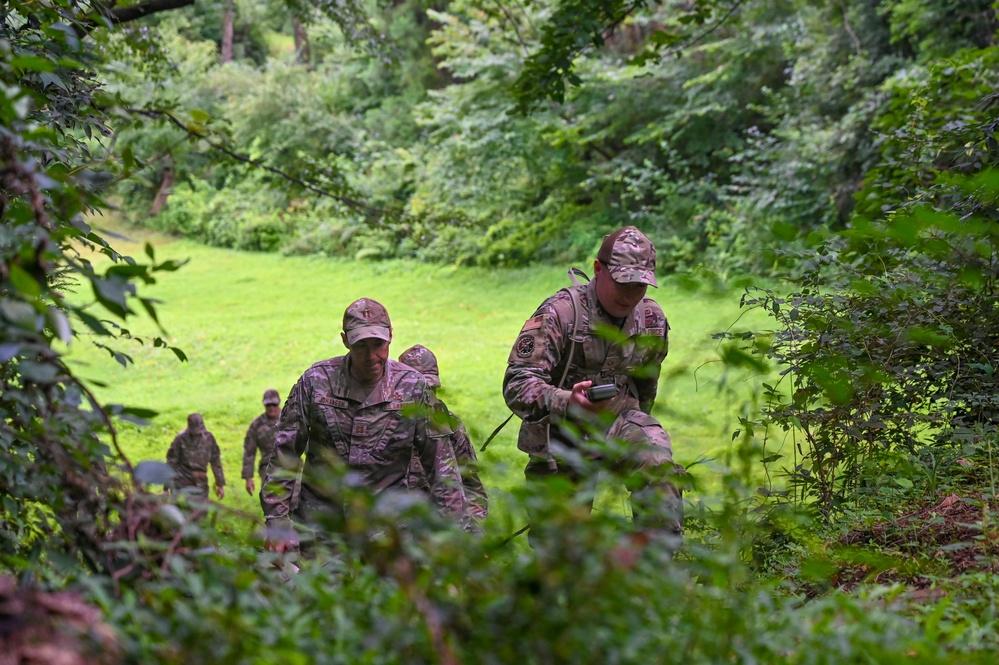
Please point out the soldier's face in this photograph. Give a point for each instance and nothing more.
(617, 299)
(272, 410)
(367, 358)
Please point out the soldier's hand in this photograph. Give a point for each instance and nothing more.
(280, 536)
(578, 400)
(250, 487)
(219, 492)
(281, 545)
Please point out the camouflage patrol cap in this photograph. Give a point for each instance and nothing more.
(195, 423)
(366, 318)
(629, 257)
(271, 397)
(424, 361)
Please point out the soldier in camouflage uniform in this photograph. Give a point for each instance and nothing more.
(445, 423)
(189, 456)
(370, 411)
(602, 332)
(260, 437)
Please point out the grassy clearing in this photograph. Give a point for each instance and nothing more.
(250, 321)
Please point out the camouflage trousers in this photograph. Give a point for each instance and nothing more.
(642, 452)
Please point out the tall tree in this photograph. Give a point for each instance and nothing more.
(228, 17)
(303, 52)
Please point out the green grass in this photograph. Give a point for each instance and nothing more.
(251, 321)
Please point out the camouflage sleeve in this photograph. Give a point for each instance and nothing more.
(477, 503)
(216, 461)
(173, 451)
(655, 345)
(437, 457)
(249, 451)
(528, 387)
(289, 444)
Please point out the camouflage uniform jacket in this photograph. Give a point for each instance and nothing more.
(445, 424)
(259, 437)
(376, 438)
(630, 357)
(189, 456)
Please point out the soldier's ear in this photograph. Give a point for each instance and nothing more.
(343, 336)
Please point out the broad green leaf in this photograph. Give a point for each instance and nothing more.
(60, 324)
(32, 63)
(21, 314)
(24, 282)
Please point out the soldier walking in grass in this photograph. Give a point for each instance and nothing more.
(367, 410)
(602, 333)
(190, 454)
(445, 424)
(260, 438)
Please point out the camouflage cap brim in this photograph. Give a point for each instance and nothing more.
(633, 275)
(432, 380)
(365, 332)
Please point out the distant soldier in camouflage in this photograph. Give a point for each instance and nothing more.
(260, 437)
(445, 423)
(190, 454)
(603, 332)
(369, 410)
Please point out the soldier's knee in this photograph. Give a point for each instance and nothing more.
(639, 428)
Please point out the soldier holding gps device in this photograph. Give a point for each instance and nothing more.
(590, 357)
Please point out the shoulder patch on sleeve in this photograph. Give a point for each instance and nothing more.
(533, 324)
(525, 346)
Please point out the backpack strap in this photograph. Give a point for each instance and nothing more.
(575, 274)
(577, 318)
(575, 331)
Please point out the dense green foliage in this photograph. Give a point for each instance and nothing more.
(846, 143)
(891, 347)
(728, 131)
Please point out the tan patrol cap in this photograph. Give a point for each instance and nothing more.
(424, 361)
(366, 318)
(271, 397)
(629, 257)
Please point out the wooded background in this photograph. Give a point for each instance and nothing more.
(843, 150)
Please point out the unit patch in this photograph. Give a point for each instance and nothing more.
(525, 346)
(650, 318)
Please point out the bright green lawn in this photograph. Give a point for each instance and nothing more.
(250, 321)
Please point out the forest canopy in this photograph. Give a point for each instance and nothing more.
(843, 149)
(481, 133)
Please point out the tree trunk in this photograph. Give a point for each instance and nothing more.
(166, 186)
(227, 30)
(302, 52)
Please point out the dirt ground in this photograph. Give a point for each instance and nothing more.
(955, 536)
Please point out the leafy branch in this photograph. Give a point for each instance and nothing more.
(192, 130)
(580, 24)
